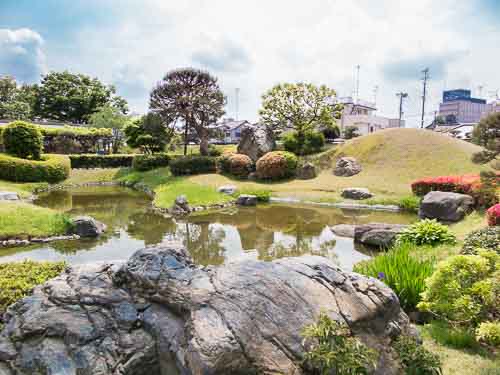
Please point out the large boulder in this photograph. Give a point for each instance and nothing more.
(306, 171)
(347, 167)
(8, 196)
(377, 234)
(445, 206)
(356, 193)
(343, 230)
(87, 227)
(181, 206)
(246, 200)
(256, 141)
(227, 189)
(159, 313)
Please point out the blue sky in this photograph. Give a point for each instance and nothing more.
(254, 45)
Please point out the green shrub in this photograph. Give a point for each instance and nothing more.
(263, 196)
(74, 140)
(238, 165)
(148, 162)
(276, 165)
(85, 161)
(489, 333)
(427, 232)
(331, 349)
(186, 165)
(52, 169)
(214, 151)
(404, 274)
(415, 359)
(410, 203)
(486, 238)
(452, 336)
(23, 140)
(18, 279)
(312, 142)
(464, 289)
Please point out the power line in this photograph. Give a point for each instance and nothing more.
(424, 96)
(402, 95)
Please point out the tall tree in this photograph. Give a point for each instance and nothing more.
(192, 96)
(74, 97)
(487, 134)
(302, 106)
(149, 133)
(16, 102)
(110, 117)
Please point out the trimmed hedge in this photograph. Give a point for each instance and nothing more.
(150, 161)
(52, 168)
(239, 165)
(276, 165)
(455, 184)
(87, 161)
(186, 165)
(311, 143)
(23, 140)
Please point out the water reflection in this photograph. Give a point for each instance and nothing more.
(267, 232)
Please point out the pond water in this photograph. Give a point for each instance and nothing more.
(266, 232)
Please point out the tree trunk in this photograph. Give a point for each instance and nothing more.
(203, 134)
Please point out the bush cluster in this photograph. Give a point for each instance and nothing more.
(186, 165)
(52, 168)
(263, 196)
(311, 142)
(456, 184)
(276, 165)
(239, 165)
(147, 162)
(415, 359)
(23, 140)
(485, 238)
(87, 161)
(75, 140)
(427, 232)
(214, 151)
(493, 215)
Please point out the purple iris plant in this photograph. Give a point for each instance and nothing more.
(381, 276)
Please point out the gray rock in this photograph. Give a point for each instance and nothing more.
(161, 313)
(8, 196)
(377, 234)
(346, 167)
(356, 193)
(181, 206)
(246, 200)
(343, 230)
(256, 141)
(86, 226)
(306, 171)
(227, 189)
(444, 206)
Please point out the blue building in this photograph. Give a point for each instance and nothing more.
(460, 94)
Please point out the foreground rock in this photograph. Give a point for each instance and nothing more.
(377, 234)
(8, 196)
(306, 171)
(87, 227)
(246, 200)
(161, 314)
(356, 193)
(347, 167)
(181, 206)
(343, 230)
(444, 206)
(256, 141)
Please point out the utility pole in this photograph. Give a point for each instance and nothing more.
(358, 67)
(424, 96)
(402, 95)
(237, 102)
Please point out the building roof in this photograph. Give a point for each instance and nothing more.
(230, 124)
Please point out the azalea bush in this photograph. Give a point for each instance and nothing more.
(456, 184)
(427, 232)
(276, 165)
(238, 165)
(493, 215)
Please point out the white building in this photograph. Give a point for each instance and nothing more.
(361, 114)
(230, 130)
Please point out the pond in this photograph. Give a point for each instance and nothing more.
(266, 232)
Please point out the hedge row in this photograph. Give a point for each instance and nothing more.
(186, 165)
(87, 161)
(53, 168)
(456, 184)
(147, 162)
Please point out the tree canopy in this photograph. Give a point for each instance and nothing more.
(111, 118)
(192, 96)
(487, 134)
(149, 133)
(16, 102)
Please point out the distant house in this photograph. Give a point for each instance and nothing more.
(229, 130)
(459, 131)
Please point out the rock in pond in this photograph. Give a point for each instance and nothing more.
(347, 167)
(306, 171)
(377, 234)
(256, 141)
(87, 227)
(181, 206)
(246, 200)
(159, 313)
(343, 230)
(356, 193)
(8, 196)
(445, 206)
(227, 189)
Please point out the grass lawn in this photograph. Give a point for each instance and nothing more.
(19, 219)
(24, 190)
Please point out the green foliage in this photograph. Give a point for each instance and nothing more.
(214, 151)
(187, 165)
(452, 336)
(71, 97)
(17, 280)
(427, 232)
(485, 238)
(101, 161)
(73, 140)
(16, 102)
(304, 144)
(403, 273)
(149, 133)
(148, 162)
(409, 203)
(52, 169)
(263, 196)
(487, 134)
(276, 165)
(110, 117)
(350, 132)
(489, 333)
(485, 195)
(238, 165)
(464, 289)
(415, 359)
(332, 349)
(23, 140)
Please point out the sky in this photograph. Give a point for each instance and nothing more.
(253, 45)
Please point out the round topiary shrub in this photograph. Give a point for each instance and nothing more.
(311, 142)
(23, 140)
(239, 165)
(276, 165)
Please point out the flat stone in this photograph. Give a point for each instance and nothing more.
(8, 196)
(86, 226)
(343, 230)
(227, 189)
(356, 193)
(246, 200)
(445, 206)
(377, 234)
